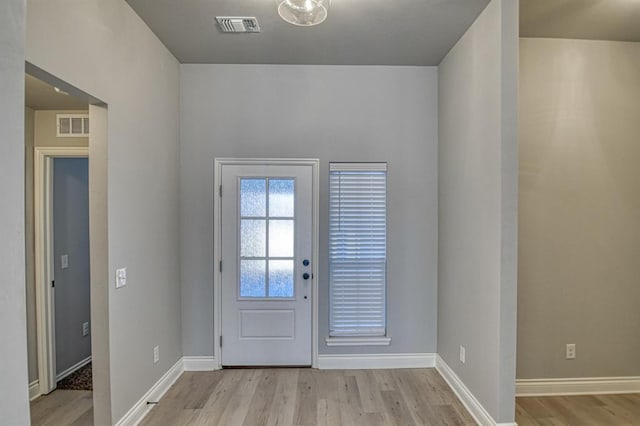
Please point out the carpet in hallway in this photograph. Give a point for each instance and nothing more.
(78, 380)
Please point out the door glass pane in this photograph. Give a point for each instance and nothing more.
(253, 238)
(253, 198)
(281, 197)
(281, 278)
(281, 238)
(252, 278)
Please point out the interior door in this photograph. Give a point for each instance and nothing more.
(266, 237)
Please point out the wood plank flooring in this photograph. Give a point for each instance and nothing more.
(584, 410)
(331, 397)
(304, 396)
(63, 407)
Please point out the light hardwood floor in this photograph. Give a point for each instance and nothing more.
(63, 407)
(609, 410)
(294, 396)
(324, 397)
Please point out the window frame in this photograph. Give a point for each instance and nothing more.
(335, 337)
(84, 124)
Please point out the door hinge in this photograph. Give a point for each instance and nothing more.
(220, 266)
(221, 340)
(53, 284)
(220, 190)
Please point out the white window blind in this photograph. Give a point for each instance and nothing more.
(357, 248)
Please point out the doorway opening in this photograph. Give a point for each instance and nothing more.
(64, 128)
(61, 208)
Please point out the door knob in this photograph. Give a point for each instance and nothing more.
(305, 262)
(305, 276)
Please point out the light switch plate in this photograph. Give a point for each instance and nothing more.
(121, 277)
(64, 261)
(85, 329)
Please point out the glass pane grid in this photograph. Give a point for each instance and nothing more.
(267, 219)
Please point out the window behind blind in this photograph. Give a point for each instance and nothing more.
(357, 248)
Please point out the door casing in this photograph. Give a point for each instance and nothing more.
(217, 224)
(43, 220)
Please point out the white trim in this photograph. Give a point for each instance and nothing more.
(358, 341)
(376, 361)
(471, 403)
(42, 208)
(351, 167)
(200, 363)
(34, 390)
(141, 408)
(81, 116)
(315, 259)
(577, 386)
(73, 368)
(217, 246)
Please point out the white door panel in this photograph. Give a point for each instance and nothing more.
(266, 245)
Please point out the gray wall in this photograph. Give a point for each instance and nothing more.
(126, 66)
(579, 208)
(477, 207)
(14, 397)
(334, 113)
(71, 238)
(32, 344)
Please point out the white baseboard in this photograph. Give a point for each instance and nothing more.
(471, 403)
(376, 361)
(141, 408)
(577, 386)
(34, 390)
(69, 371)
(199, 363)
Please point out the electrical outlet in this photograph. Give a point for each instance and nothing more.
(156, 354)
(571, 351)
(64, 261)
(463, 354)
(121, 277)
(85, 328)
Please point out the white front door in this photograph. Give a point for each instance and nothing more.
(266, 248)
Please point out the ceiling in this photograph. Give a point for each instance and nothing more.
(42, 96)
(617, 20)
(356, 32)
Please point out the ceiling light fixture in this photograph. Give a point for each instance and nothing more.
(62, 92)
(304, 13)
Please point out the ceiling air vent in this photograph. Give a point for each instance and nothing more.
(238, 24)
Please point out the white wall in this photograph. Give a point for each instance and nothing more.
(126, 66)
(579, 208)
(477, 207)
(334, 113)
(14, 399)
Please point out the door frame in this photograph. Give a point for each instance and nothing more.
(217, 246)
(44, 259)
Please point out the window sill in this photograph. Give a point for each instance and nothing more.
(358, 341)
